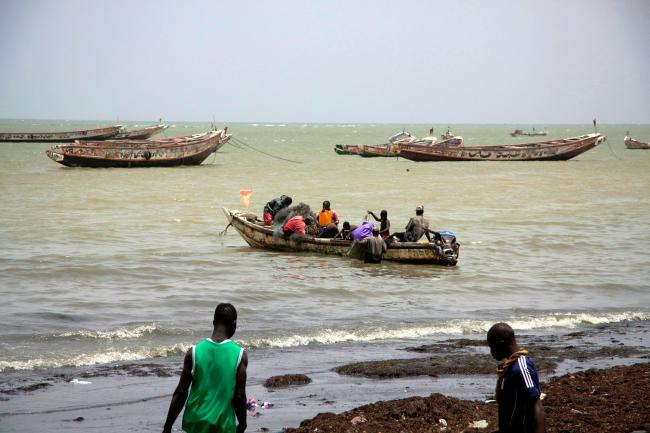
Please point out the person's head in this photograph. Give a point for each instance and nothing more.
(419, 210)
(383, 214)
(346, 225)
(326, 205)
(375, 231)
(225, 318)
(502, 342)
(286, 200)
(308, 221)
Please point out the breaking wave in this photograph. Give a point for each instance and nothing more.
(453, 327)
(117, 333)
(84, 359)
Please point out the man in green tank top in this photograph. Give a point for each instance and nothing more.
(213, 382)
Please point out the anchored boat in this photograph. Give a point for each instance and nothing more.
(558, 150)
(140, 134)
(62, 137)
(631, 143)
(260, 236)
(188, 150)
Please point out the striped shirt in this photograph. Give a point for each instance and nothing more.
(519, 389)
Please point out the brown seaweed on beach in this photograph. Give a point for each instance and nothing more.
(286, 381)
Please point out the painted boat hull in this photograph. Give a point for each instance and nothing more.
(553, 150)
(61, 137)
(191, 150)
(263, 237)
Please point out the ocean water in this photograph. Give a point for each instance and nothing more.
(107, 265)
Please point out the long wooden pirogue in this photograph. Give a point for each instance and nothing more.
(62, 137)
(140, 134)
(188, 150)
(259, 236)
(561, 149)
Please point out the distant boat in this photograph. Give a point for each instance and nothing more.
(187, 150)
(561, 149)
(140, 134)
(520, 133)
(62, 137)
(631, 143)
(370, 150)
(259, 236)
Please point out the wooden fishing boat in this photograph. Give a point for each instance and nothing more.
(520, 133)
(62, 137)
(385, 150)
(140, 134)
(260, 236)
(188, 150)
(558, 150)
(631, 143)
(346, 149)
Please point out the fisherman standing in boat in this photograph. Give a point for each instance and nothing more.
(384, 222)
(416, 227)
(328, 221)
(274, 206)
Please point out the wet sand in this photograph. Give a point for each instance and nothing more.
(390, 386)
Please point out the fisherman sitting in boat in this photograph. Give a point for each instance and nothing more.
(375, 247)
(384, 226)
(328, 221)
(274, 206)
(344, 234)
(296, 225)
(416, 227)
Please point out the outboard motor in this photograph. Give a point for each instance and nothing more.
(401, 136)
(449, 244)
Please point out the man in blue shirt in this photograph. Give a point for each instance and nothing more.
(517, 392)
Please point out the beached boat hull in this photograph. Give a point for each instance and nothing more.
(140, 134)
(631, 143)
(553, 150)
(190, 150)
(258, 236)
(61, 137)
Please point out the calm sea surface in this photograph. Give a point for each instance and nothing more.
(106, 265)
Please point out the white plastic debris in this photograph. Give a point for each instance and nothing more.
(478, 424)
(80, 382)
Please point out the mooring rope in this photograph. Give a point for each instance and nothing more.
(243, 143)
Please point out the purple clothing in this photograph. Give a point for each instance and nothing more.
(363, 231)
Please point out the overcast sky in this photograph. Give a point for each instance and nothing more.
(402, 61)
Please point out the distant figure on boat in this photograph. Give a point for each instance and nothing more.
(416, 227)
(363, 231)
(384, 227)
(328, 221)
(344, 234)
(296, 225)
(274, 206)
(375, 247)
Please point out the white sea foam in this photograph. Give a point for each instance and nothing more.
(454, 327)
(86, 359)
(118, 333)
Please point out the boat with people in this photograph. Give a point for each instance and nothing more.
(186, 150)
(522, 133)
(262, 236)
(140, 134)
(631, 143)
(62, 137)
(551, 150)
